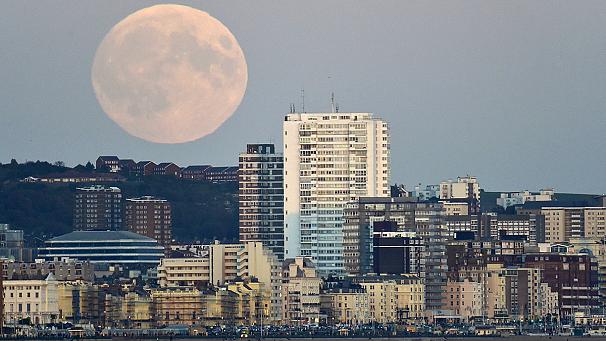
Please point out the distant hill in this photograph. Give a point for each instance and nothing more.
(201, 211)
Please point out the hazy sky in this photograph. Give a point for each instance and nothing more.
(513, 92)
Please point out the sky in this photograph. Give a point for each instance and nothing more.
(513, 92)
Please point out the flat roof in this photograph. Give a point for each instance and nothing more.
(100, 236)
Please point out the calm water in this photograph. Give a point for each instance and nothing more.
(509, 338)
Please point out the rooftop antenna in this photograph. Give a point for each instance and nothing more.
(303, 100)
(332, 102)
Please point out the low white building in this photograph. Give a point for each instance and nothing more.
(519, 198)
(33, 299)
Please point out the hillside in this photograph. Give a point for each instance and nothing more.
(201, 211)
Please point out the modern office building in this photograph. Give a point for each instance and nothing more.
(150, 217)
(104, 247)
(330, 159)
(98, 208)
(261, 197)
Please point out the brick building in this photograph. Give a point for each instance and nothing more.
(97, 208)
(149, 216)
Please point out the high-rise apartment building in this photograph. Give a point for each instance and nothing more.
(261, 197)
(565, 223)
(98, 208)
(330, 159)
(150, 217)
(465, 189)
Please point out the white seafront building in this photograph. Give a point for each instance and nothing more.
(330, 159)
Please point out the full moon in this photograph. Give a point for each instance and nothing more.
(169, 74)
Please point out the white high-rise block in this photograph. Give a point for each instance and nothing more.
(330, 159)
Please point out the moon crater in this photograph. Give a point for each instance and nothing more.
(169, 74)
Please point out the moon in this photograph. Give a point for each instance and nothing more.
(169, 74)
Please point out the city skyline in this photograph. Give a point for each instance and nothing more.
(509, 92)
(437, 172)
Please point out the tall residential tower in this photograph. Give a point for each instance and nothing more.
(330, 159)
(150, 217)
(98, 208)
(261, 197)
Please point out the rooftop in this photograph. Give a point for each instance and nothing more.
(147, 198)
(98, 188)
(165, 164)
(329, 116)
(108, 157)
(92, 236)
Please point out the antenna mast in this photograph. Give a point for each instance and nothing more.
(332, 102)
(303, 100)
